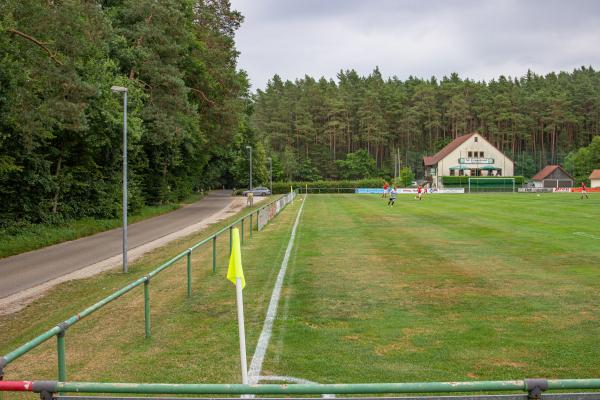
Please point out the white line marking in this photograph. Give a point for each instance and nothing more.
(293, 380)
(265, 335)
(587, 235)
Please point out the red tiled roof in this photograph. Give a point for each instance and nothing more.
(595, 174)
(450, 147)
(547, 170)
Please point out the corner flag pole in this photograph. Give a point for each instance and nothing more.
(235, 274)
(240, 310)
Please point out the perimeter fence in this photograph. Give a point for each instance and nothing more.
(530, 389)
(59, 331)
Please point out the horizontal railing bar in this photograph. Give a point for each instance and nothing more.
(21, 350)
(286, 389)
(549, 396)
(467, 397)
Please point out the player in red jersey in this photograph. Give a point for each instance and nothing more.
(385, 190)
(583, 191)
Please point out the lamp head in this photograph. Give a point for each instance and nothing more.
(118, 89)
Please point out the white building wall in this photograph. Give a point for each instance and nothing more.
(595, 183)
(489, 151)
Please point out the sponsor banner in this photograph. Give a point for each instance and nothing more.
(533, 190)
(447, 191)
(263, 217)
(475, 160)
(562, 190)
(268, 212)
(411, 191)
(368, 190)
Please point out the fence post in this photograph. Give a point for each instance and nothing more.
(147, 306)
(60, 350)
(242, 241)
(251, 225)
(189, 273)
(214, 241)
(230, 237)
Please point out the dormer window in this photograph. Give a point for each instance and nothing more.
(475, 138)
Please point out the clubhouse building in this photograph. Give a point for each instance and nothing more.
(467, 155)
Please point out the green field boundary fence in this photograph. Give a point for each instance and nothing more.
(60, 329)
(534, 388)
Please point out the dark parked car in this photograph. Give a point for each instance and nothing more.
(258, 191)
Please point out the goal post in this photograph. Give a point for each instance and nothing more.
(485, 184)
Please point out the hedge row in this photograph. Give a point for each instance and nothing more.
(481, 180)
(284, 187)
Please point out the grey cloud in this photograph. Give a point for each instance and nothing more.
(478, 39)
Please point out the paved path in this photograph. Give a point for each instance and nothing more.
(24, 271)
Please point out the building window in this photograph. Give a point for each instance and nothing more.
(481, 154)
(470, 154)
(475, 138)
(451, 172)
(499, 172)
(461, 173)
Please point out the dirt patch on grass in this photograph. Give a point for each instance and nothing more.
(405, 343)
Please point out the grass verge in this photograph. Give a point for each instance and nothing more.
(193, 339)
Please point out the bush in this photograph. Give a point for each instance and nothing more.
(463, 181)
(284, 187)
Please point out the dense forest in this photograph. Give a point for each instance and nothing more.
(61, 126)
(312, 126)
(191, 115)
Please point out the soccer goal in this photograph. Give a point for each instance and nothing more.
(487, 184)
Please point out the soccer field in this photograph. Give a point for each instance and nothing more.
(454, 287)
(451, 288)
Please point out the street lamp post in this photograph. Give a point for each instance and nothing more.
(121, 89)
(250, 150)
(270, 174)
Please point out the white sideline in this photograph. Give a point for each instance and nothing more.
(265, 335)
(587, 235)
(293, 379)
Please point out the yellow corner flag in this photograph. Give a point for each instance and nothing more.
(235, 261)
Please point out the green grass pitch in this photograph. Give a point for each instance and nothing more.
(453, 287)
(450, 288)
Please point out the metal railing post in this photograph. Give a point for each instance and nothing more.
(230, 237)
(214, 242)
(251, 225)
(189, 273)
(147, 306)
(62, 362)
(242, 235)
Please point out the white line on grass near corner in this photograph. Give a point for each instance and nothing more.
(265, 335)
(588, 235)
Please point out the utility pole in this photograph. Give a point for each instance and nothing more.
(250, 150)
(121, 89)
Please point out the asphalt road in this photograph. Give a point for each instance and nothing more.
(28, 270)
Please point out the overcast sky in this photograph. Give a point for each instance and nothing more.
(478, 39)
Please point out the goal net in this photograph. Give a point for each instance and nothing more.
(478, 184)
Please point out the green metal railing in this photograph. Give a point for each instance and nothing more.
(534, 388)
(60, 329)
